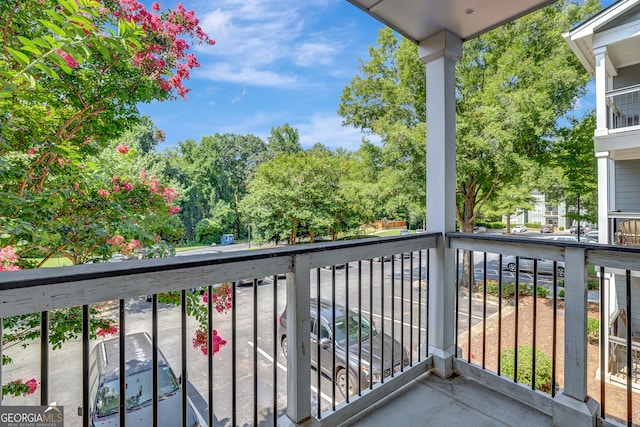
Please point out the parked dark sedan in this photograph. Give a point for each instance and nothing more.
(546, 228)
(372, 339)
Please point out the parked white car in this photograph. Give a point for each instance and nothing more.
(518, 229)
(526, 264)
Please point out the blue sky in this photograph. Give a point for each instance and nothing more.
(274, 62)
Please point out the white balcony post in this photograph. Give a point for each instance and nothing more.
(298, 345)
(440, 53)
(601, 91)
(603, 197)
(572, 405)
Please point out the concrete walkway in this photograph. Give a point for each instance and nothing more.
(432, 401)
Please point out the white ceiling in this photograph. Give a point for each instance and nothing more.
(419, 19)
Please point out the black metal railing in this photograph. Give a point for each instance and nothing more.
(501, 306)
(383, 280)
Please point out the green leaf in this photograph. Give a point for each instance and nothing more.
(53, 27)
(55, 16)
(79, 19)
(60, 62)
(71, 6)
(19, 56)
(47, 70)
(33, 50)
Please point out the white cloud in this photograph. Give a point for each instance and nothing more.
(249, 76)
(257, 39)
(240, 97)
(309, 54)
(327, 129)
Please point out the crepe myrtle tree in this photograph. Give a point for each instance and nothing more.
(72, 73)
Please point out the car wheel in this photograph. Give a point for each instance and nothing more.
(511, 267)
(561, 271)
(341, 381)
(283, 344)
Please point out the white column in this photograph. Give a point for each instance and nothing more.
(603, 197)
(298, 315)
(573, 406)
(440, 53)
(601, 91)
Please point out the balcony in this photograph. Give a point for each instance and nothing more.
(387, 280)
(623, 108)
(624, 228)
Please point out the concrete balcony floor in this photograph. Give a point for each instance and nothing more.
(459, 401)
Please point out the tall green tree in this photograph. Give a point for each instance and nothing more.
(306, 194)
(513, 84)
(218, 168)
(574, 156)
(284, 140)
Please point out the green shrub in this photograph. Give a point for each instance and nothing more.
(508, 289)
(525, 367)
(532, 224)
(561, 228)
(561, 293)
(593, 283)
(561, 283)
(593, 330)
(542, 291)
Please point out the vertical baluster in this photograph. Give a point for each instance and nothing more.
(499, 312)
(455, 338)
(371, 320)
(255, 351)
(183, 338)
(471, 280)
(484, 309)
(360, 330)
(318, 343)
(382, 319)
(44, 358)
(411, 311)
(629, 350)
(393, 314)
(603, 336)
(234, 356)
(122, 367)
(515, 348)
(346, 330)
(333, 334)
(535, 323)
(555, 329)
(274, 310)
(154, 345)
(210, 416)
(85, 363)
(427, 293)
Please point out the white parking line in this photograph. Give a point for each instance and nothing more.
(394, 320)
(284, 368)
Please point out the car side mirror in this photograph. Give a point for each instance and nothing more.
(325, 342)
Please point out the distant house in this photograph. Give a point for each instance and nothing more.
(608, 45)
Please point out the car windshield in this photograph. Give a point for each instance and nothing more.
(368, 329)
(139, 390)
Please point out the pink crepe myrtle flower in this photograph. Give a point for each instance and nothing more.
(8, 258)
(122, 149)
(103, 332)
(70, 60)
(103, 193)
(155, 6)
